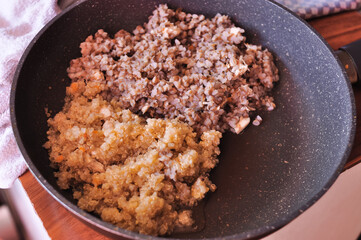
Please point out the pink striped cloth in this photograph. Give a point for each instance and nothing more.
(316, 8)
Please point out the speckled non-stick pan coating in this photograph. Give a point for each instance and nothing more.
(267, 175)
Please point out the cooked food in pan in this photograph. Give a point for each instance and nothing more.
(144, 115)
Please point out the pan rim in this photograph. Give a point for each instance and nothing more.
(89, 218)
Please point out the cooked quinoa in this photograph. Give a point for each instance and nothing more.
(182, 65)
(143, 116)
(138, 174)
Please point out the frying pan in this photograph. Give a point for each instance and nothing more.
(267, 175)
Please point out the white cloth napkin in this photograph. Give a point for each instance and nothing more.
(20, 20)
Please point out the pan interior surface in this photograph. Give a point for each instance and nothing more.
(268, 174)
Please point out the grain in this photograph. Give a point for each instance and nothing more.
(181, 65)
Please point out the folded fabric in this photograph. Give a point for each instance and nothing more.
(20, 20)
(306, 9)
(315, 8)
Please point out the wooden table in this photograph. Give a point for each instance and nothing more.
(338, 30)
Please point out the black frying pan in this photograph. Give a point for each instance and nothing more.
(268, 175)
